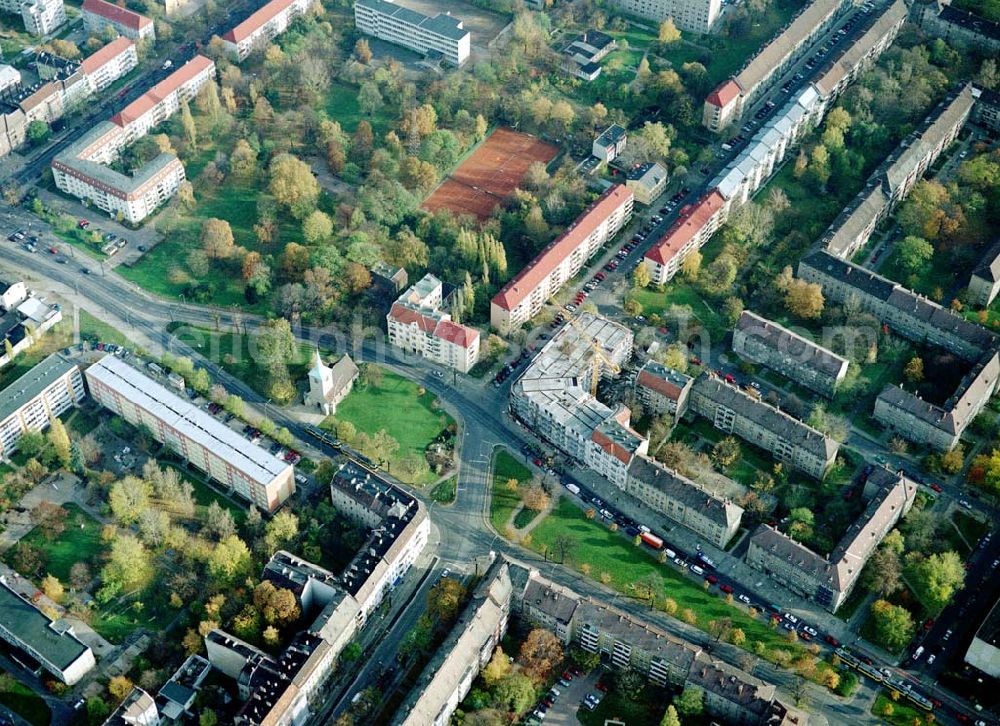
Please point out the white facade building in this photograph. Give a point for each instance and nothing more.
(98, 15)
(441, 34)
(110, 63)
(264, 25)
(31, 402)
(694, 16)
(417, 324)
(40, 17)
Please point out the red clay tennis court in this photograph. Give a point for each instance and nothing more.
(490, 173)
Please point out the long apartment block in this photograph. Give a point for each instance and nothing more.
(30, 403)
(524, 295)
(691, 231)
(726, 103)
(693, 16)
(83, 169)
(441, 35)
(896, 176)
(105, 66)
(736, 412)
(763, 341)
(830, 580)
(263, 26)
(98, 15)
(201, 439)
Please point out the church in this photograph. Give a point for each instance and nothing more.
(329, 385)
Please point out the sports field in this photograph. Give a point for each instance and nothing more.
(490, 173)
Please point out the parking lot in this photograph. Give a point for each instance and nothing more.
(570, 699)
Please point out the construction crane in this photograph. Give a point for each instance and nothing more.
(599, 355)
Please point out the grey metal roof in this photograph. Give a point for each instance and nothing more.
(29, 625)
(33, 383)
(683, 490)
(878, 25)
(989, 267)
(802, 351)
(441, 24)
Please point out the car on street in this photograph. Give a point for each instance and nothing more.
(937, 488)
(743, 599)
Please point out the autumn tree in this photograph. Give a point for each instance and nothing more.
(277, 605)
(119, 687)
(668, 32)
(362, 51)
(804, 299)
(59, 441)
(293, 185)
(445, 599)
(914, 370)
(217, 238)
(540, 653)
(535, 498)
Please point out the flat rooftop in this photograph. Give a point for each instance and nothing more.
(33, 383)
(30, 625)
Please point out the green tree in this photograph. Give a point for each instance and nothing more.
(937, 577)
(59, 441)
(38, 132)
(129, 567)
(892, 625)
(914, 252)
(670, 718)
(691, 701)
(514, 693)
(282, 529)
(229, 561)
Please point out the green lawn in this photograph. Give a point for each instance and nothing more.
(91, 327)
(408, 413)
(444, 492)
(27, 704)
(118, 619)
(612, 558)
(80, 542)
(903, 713)
(342, 106)
(681, 293)
(503, 500)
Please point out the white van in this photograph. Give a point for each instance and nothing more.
(644, 529)
(670, 553)
(697, 570)
(918, 652)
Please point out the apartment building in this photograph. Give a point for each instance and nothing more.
(984, 283)
(878, 31)
(940, 427)
(137, 709)
(282, 690)
(693, 228)
(544, 604)
(201, 439)
(263, 26)
(10, 79)
(50, 645)
(40, 17)
(30, 403)
(417, 324)
(83, 170)
(986, 111)
(553, 396)
(662, 391)
(447, 678)
(107, 65)
(726, 103)
(906, 313)
(647, 182)
(683, 502)
(610, 143)
(959, 28)
(99, 15)
(693, 16)
(45, 101)
(524, 295)
(441, 36)
(829, 581)
(895, 177)
(790, 441)
(763, 341)
(164, 99)
(984, 650)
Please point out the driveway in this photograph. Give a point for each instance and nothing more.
(563, 711)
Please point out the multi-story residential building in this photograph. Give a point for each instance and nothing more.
(693, 16)
(693, 228)
(201, 439)
(986, 111)
(984, 650)
(10, 79)
(939, 427)
(984, 283)
(82, 168)
(440, 36)
(524, 295)
(164, 99)
(107, 65)
(329, 385)
(40, 17)
(683, 502)
(957, 27)
(662, 390)
(417, 324)
(787, 439)
(646, 182)
(830, 580)
(50, 644)
(99, 14)
(879, 29)
(176, 697)
(763, 341)
(906, 313)
(30, 403)
(263, 26)
(545, 604)
(897, 175)
(553, 396)
(137, 709)
(282, 690)
(726, 103)
(610, 144)
(448, 677)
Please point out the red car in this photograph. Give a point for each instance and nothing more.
(730, 378)
(712, 579)
(728, 589)
(695, 360)
(567, 675)
(929, 623)
(53, 251)
(83, 224)
(537, 462)
(937, 487)
(602, 687)
(804, 635)
(832, 641)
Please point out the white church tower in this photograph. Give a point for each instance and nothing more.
(329, 385)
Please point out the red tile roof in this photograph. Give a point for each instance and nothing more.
(724, 94)
(162, 90)
(454, 333)
(116, 47)
(616, 450)
(115, 14)
(256, 21)
(659, 385)
(409, 316)
(521, 286)
(693, 218)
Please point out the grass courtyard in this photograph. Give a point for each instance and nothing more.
(407, 412)
(80, 542)
(504, 501)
